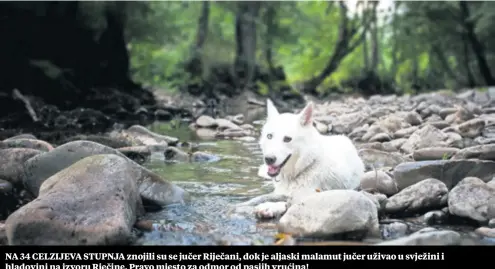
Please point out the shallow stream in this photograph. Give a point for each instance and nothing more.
(214, 187)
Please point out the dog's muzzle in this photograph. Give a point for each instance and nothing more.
(273, 170)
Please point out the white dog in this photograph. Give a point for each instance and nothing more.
(301, 161)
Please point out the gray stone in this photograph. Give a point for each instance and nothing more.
(376, 158)
(426, 194)
(206, 121)
(427, 238)
(483, 152)
(449, 172)
(26, 143)
(471, 128)
(426, 137)
(151, 186)
(12, 163)
(434, 153)
(472, 198)
(435, 217)
(95, 201)
(329, 213)
(394, 230)
(379, 181)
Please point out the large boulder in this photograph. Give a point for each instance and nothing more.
(472, 198)
(95, 201)
(330, 213)
(152, 187)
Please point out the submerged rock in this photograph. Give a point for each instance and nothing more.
(201, 157)
(173, 154)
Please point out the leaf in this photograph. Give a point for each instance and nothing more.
(284, 239)
(281, 235)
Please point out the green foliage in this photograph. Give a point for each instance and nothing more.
(159, 40)
(161, 36)
(263, 88)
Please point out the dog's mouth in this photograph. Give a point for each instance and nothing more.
(274, 170)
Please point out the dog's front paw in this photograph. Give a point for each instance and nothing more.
(270, 210)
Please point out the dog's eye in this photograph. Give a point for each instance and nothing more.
(287, 139)
(269, 136)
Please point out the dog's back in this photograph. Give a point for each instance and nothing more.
(347, 165)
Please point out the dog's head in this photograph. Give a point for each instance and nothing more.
(283, 135)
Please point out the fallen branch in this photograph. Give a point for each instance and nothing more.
(18, 95)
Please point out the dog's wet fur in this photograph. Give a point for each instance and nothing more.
(301, 161)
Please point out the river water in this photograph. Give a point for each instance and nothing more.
(215, 187)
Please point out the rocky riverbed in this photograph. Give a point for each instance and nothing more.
(430, 162)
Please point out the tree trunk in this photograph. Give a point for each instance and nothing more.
(270, 25)
(115, 49)
(440, 56)
(366, 57)
(415, 67)
(269, 20)
(477, 48)
(62, 68)
(374, 39)
(195, 64)
(245, 33)
(365, 54)
(395, 45)
(202, 26)
(341, 50)
(470, 81)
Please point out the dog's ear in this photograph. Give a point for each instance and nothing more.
(271, 109)
(306, 115)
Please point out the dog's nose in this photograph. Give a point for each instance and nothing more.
(270, 160)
